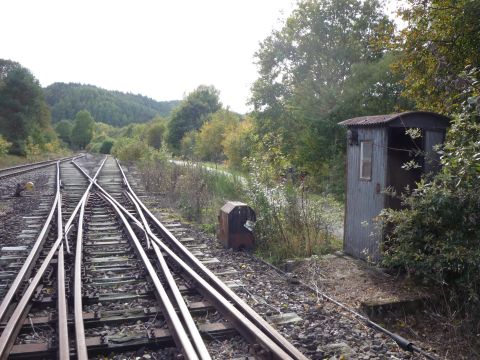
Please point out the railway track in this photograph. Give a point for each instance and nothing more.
(21, 169)
(106, 278)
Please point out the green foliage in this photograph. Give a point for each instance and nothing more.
(111, 107)
(188, 144)
(82, 132)
(64, 130)
(437, 235)
(197, 192)
(209, 141)
(192, 113)
(156, 134)
(106, 146)
(325, 65)
(23, 112)
(442, 37)
(238, 144)
(4, 146)
(131, 150)
(291, 221)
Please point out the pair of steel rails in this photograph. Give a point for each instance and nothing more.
(168, 251)
(24, 168)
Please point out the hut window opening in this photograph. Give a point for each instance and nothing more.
(366, 151)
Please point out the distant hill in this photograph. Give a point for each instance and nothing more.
(111, 107)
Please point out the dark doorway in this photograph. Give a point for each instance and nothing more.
(401, 150)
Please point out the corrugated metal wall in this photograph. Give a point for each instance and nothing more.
(361, 238)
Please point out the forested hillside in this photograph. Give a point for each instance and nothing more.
(110, 107)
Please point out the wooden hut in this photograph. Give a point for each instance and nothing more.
(377, 148)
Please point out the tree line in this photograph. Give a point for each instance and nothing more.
(110, 107)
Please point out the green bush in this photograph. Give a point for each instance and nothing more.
(4, 146)
(437, 236)
(127, 149)
(106, 147)
(291, 221)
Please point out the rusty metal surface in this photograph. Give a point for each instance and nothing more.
(16, 320)
(232, 232)
(384, 119)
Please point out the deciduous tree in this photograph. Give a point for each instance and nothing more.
(23, 111)
(155, 135)
(64, 130)
(192, 113)
(82, 132)
(442, 37)
(209, 142)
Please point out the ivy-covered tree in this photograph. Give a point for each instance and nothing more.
(23, 112)
(82, 132)
(192, 113)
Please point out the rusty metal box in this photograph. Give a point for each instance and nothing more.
(235, 226)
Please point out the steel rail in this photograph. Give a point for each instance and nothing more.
(16, 320)
(32, 256)
(214, 283)
(71, 219)
(32, 166)
(81, 344)
(185, 313)
(240, 321)
(14, 324)
(63, 346)
(246, 327)
(174, 324)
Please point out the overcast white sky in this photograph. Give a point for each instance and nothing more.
(161, 49)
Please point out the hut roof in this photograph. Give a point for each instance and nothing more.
(384, 119)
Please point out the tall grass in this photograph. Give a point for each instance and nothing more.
(291, 222)
(198, 193)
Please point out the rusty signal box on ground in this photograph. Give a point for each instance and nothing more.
(236, 221)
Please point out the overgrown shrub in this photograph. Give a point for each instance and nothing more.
(106, 146)
(131, 150)
(197, 192)
(437, 236)
(291, 221)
